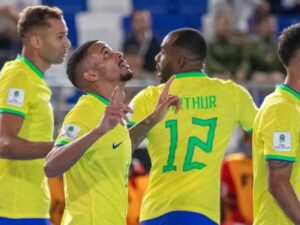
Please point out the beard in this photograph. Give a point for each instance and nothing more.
(128, 76)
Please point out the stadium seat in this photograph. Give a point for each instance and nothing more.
(164, 23)
(68, 6)
(154, 6)
(100, 26)
(285, 21)
(192, 6)
(123, 7)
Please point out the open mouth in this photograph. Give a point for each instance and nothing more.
(123, 63)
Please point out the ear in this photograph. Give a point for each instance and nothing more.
(90, 76)
(35, 41)
(181, 61)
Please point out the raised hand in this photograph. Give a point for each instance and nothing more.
(165, 100)
(115, 112)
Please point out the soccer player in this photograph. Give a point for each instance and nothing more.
(26, 116)
(276, 143)
(93, 149)
(186, 149)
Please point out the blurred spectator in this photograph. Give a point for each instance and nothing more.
(261, 11)
(141, 77)
(10, 44)
(225, 55)
(262, 54)
(8, 33)
(236, 183)
(143, 39)
(241, 11)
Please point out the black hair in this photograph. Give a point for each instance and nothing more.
(191, 40)
(75, 61)
(289, 43)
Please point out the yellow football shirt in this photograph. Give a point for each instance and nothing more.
(24, 191)
(96, 186)
(186, 149)
(275, 136)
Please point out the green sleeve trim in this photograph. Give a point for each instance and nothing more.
(11, 111)
(249, 130)
(280, 157)
(130, 124)
(61, 142)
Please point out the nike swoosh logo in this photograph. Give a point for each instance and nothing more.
(114, 146)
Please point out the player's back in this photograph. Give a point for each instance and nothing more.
(186, 149)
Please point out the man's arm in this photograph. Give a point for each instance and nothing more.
(14, 147)
(139, 131)
(62, 158)
(279, 174)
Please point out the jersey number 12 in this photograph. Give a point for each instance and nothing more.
(193, 142)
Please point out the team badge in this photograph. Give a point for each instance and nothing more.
(16, 97)
(71, 131)
(282, 141)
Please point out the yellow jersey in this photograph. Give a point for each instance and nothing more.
(187, 148)
(24, 191)
(275, 136)
(96, 187)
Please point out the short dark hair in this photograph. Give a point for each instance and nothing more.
(192, 41)
(75, 62)
(289, 43)
(36, 16)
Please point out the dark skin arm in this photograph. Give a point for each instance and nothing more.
(139, 131)
(14, 147)
(279, 174)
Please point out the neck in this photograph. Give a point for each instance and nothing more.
(293, 79)
(35, 59)
(105, 90)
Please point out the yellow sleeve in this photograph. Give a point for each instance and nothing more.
(279, 133)
(16, 93)
(74, 126)
(247, 109)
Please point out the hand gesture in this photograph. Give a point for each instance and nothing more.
(165, 100)
(115, 112)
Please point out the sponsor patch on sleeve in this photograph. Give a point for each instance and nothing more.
(70, 131)
(16, 97)
(282, 141)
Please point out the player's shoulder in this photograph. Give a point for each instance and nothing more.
(150, 91)
(223, 83)
(277, 106)
(14, 69)
(275, 100)
(84, 108)
(228, 87)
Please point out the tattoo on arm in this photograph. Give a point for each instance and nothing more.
(139, 132)
(278, 164)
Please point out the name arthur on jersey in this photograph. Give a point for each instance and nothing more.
(198, 102)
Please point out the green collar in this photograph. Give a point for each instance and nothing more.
(190, 74)
(100, 98)
(288, 89)
(36, 70)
